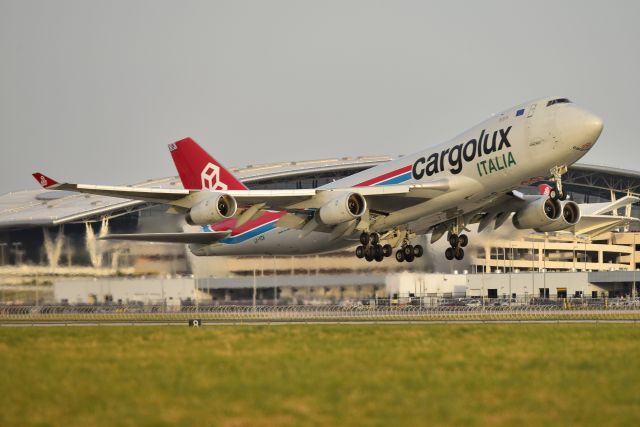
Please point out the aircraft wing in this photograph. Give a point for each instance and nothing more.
(594, 225)
(382, 197)
(202, 238)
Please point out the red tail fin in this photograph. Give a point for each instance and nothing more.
(198, 170)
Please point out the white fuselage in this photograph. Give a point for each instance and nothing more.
(506, 151)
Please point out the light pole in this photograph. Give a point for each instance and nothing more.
(2, 248)
(17, 252)
(633, 288)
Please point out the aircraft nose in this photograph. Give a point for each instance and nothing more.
(578, 127)
(592, 125)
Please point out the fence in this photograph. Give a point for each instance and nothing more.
(302, 313)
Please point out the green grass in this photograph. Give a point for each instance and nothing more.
(320, 375)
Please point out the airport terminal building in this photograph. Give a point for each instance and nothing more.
(56, 233)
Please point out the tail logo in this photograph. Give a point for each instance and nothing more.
(44, 181)
(210, 176)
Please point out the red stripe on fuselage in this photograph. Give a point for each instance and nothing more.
(385, 176)
(230, 224)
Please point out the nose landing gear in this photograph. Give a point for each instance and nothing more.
(557, 193)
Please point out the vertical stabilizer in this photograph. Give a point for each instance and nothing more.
(198, 170)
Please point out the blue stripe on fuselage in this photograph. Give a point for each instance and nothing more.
(249, 234)
(396, 179)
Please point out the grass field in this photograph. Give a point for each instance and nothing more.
(321, 375)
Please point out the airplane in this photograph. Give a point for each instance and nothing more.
(472, 178)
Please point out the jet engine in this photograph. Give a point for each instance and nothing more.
(570, 217)
(216, 208)
(344, 208)
(538, 213)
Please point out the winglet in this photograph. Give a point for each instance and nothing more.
(44, 181)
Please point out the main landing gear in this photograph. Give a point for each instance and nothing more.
(371, 249)
(457, 242)
(408, 252)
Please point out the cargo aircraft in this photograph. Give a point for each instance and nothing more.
(473, 178)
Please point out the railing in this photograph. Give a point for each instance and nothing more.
(303, 313)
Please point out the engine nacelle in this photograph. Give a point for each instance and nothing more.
(538, 213)
(343, 208)
(216, 208)
(570, 217)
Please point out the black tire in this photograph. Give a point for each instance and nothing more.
(563, 196)
(553, 194)
(418, 251)
(453, 240)
(374, 238)
(399, 255)
(369, 252)
(387, 250)
(364, 239)
(449, 253)
(377, 250)
(368, 257)
(459, 253)
(408, 251)
(409, 258)
(463, 240)
(360, 251)
(379, 256)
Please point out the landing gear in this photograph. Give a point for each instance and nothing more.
(371, 249)
(387, 250)
(364, 238)
(449, 253)
(457, 242)
(557, 193)
(408, 252)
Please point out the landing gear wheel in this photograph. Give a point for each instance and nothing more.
(454, 240)
(364, 239)
(369, 252)
(377, 250)
(408, 251)
(449, 253)
(409, 258)
(553, 194)
(374, 238)
(459, 253)
(418, 251)
(379, 256)
(368, 257)
(360, 251)
(563, 197)
(463, 240)
(399, 255)
(387, 250)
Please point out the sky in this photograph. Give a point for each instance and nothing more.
(94, 91)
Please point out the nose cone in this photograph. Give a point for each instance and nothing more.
(592, 126)
(578, 129)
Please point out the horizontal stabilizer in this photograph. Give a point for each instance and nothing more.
(201, 238)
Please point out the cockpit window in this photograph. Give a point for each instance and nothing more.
(558, 101)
